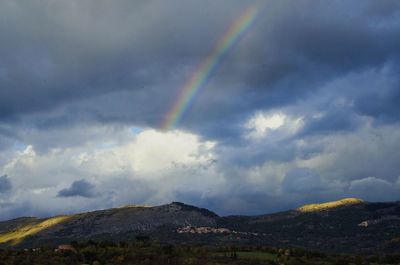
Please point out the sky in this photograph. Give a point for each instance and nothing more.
(302, 106)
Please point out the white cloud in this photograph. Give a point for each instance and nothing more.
(368, 151)
(154, 167)
(154, 151)
(276, 124)
(168, 162)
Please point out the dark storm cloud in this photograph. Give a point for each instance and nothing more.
(81, 188)
(291, 54)
(380, 100)
(102, 54)
(5, 184)
(56, 53)
(303, 180)
(333, 121)
(374, 189)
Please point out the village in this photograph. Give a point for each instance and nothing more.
(212, 230)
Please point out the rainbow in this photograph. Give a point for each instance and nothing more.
(204, 71)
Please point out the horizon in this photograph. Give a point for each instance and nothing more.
(249, 106)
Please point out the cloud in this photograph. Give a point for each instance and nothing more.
(103, 70)
(260, 125)
(330, 121)
(5, 184)
(306, 101)
(275, 125)
(357, 154)
(81, 188)
(117, 166)
(303, 180)
(374, 189)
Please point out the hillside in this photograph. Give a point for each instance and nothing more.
(349, 225)
(341, 226)
(329, 205)
(104, 224)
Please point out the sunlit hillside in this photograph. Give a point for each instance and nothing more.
(19, 234)
(329, 205)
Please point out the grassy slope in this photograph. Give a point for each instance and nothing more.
(18, 235)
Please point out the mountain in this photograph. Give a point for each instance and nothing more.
(348, 225)
(110, 224)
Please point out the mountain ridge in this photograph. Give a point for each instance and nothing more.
(185, 205)
(348, 225)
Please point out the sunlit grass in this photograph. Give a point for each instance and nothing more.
(17, 236)
(329, 205)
